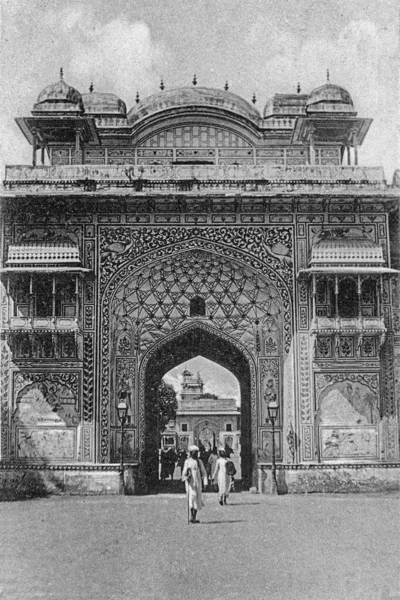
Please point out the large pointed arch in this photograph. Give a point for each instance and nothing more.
(142, 247)
(198, 339)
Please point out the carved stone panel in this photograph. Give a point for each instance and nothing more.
(349, 443)
(39, 443)
(130, 445)
(270, 385)
(265, 445)
(46, 414)
(125, 383)
(348, 415)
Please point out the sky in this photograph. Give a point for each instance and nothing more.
(217, 380)
(260, 46)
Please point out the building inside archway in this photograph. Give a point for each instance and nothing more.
(208, 412)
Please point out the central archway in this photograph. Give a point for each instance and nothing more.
(210, 343)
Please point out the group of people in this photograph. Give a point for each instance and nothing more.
(221, 471)
(168, 461)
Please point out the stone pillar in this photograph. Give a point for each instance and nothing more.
(34, 147)
(78, 159)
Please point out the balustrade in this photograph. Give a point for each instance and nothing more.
(70, 175)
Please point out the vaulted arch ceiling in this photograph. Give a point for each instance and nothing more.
(157, 300)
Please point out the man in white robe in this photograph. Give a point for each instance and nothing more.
(194, 475)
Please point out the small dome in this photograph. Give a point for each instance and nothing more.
(98, 103)
(59, 97)
(330, 98)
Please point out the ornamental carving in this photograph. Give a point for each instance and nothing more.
(88, 377)
(269, 385)
(305, 391)
(148, 255)
(125, 382)
(347, 399)
(272, 246)
(46, 399)
(159, 300)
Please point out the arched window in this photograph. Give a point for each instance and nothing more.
(369, 297)
(42, 287)
(325, 297)
(348, 298)
(197, 307)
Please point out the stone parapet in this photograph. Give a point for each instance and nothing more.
(142, 177)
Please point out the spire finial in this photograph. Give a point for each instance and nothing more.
(61, 73)
(194, 79)
(137, 98)
(254, 99)
(91, 88)
(226, 86)
(327, 76)
(162, 86)
(298, 88)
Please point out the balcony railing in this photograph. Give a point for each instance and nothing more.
(187, 177)
(56, 324)
(341, 324)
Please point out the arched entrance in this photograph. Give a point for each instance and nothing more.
(194, 340)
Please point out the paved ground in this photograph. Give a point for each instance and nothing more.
(322, 547)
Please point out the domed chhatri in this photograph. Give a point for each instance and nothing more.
(100, 103)
(59, 97)
(189, 96)
(330, 98)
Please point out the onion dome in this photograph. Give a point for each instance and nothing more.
(59, 97)
(102, 104)
(186, 97)
(330, 98)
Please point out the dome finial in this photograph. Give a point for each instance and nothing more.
(226, 86)
(91, 88)
(254, 99)
(327, 76)
(137, 98)
(162, 86)
(61, 74)
(298, 88)
(194, 79)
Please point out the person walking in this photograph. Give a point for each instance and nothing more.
(194, 475)
(222, 477)
(181, 460)
(211, 464)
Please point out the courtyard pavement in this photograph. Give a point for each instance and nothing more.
(294, 547)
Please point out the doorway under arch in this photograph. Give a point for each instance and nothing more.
(195, 340)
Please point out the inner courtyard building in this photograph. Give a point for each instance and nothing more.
(198, 224)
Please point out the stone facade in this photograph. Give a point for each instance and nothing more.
(204, 419)
(195, 225)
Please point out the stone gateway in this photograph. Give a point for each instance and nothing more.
(196, 225)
